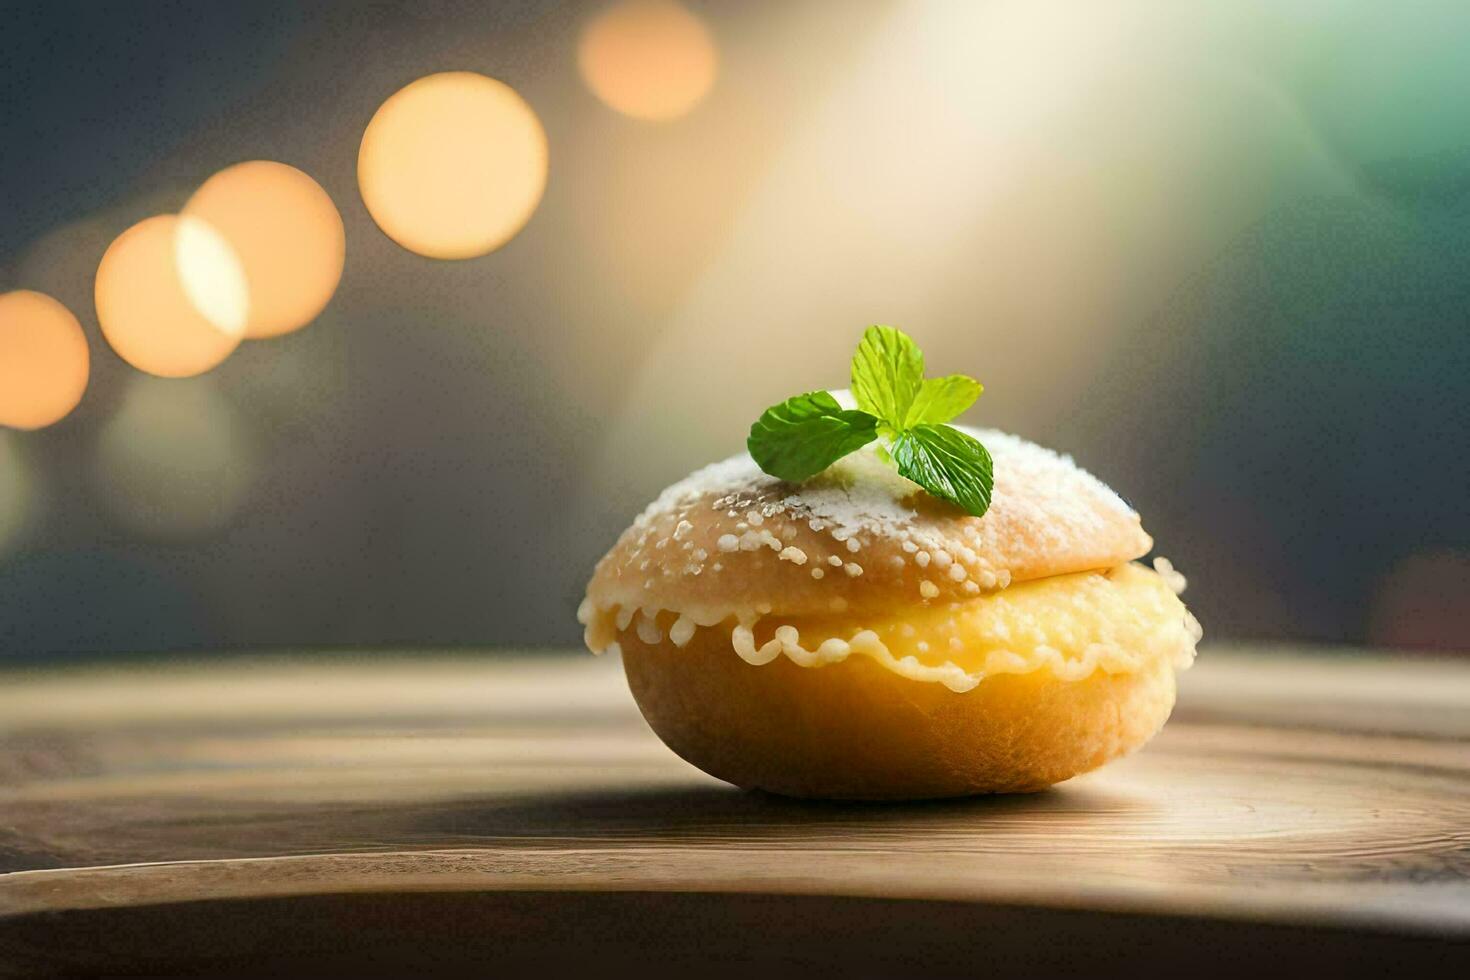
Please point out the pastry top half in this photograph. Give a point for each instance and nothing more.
(730, 541)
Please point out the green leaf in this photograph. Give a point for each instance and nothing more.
(948, 464)
(887, 371)
(941, 399)
(804, 435)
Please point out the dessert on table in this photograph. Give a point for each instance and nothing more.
(875, 604)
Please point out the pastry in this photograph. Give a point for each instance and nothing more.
(855, 636)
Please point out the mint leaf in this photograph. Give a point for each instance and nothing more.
(941, 399)
(948, 464)
(804, 435)
(887, 371)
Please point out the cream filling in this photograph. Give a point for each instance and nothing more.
(1110, 659)
(1176, 640)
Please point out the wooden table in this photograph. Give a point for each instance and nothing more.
(470, 813)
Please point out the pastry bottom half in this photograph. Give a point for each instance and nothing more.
(1064, 674)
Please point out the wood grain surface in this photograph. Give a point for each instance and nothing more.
(461, 812)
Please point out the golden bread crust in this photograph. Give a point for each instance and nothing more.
(730, 540)
(855, 730)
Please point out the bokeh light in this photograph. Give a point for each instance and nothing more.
(44, 361)
(16, 493)
(453, 165)
(150, 317)
(649, 59)
(175, 460)
(287, 235)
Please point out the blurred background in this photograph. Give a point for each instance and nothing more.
(402, 384)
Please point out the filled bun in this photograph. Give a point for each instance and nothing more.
(854, 637)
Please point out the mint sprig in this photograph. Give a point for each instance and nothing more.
(800, 437)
